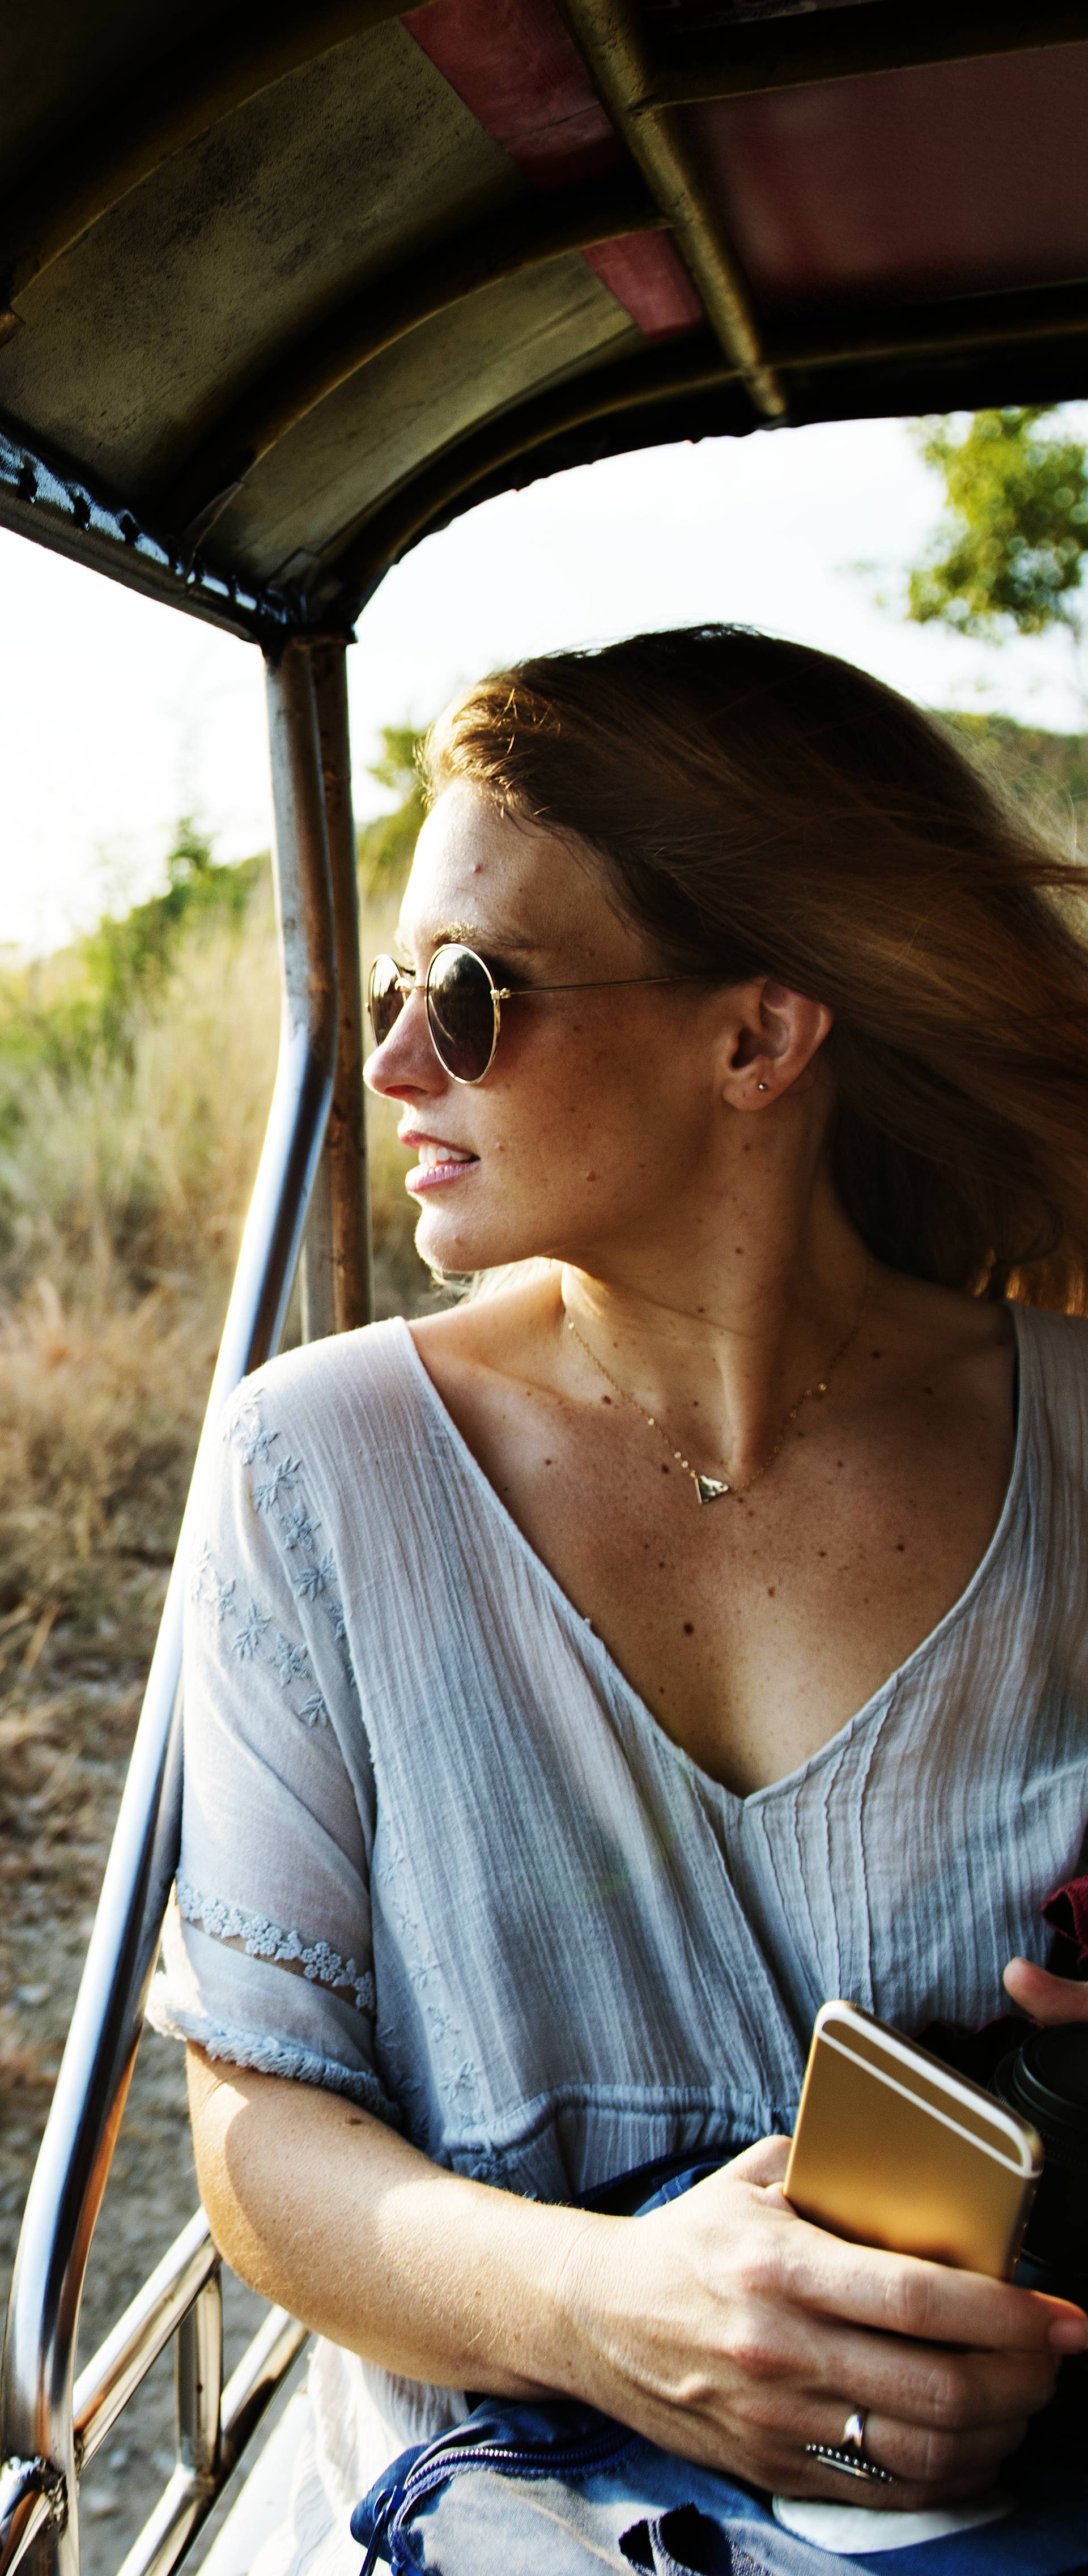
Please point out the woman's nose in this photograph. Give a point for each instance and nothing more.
(405, 1060)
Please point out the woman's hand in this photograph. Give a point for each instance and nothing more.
(1048, 1999)
(728, 2329)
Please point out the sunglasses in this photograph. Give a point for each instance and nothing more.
(464, 1004)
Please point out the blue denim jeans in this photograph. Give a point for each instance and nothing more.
(555, 2490)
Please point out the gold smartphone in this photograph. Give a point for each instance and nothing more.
(892, 2149)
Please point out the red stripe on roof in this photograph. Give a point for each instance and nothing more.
(519, 73)
(645, 275)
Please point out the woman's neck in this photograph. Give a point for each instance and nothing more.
(718, 1339)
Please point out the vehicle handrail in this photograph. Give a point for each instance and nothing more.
(191, 2492)
(39, 2478)
(115, 2371)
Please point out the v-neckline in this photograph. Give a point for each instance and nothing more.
(791, 1782)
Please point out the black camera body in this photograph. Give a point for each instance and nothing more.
(1046, 2080)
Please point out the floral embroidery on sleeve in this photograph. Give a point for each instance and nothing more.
(267, 1494)
(291, 1661)
(278, 1497)
(313, 1711)
(315, 1579)
(300, 1528)
(247, 1424)
(246, 1639)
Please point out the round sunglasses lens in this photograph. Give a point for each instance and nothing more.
(385, 1001)
(461, 1013)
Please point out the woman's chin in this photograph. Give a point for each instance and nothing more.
(447, 1241)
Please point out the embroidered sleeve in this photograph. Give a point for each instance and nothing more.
(268, 1951)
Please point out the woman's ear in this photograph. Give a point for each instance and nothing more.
(772, 1043)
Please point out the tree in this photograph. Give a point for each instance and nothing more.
(1008, 555)
(385, 847)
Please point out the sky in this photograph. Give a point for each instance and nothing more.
(118, 715)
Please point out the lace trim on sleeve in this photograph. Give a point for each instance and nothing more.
(235, 1926)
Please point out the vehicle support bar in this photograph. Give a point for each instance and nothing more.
(38, 2481)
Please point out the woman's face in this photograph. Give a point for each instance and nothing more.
(600, 1112)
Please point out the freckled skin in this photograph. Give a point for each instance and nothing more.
(693, 1229)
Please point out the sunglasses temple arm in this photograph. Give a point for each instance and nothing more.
(602, 984)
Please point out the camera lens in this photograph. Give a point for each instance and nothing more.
(1047, 2080)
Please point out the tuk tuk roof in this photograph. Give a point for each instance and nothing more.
(286, 284)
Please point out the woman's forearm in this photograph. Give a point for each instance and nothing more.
(722, 2326)
(322, 2208)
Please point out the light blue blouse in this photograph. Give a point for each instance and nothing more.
(439, 1856)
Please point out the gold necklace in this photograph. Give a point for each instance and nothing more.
(710, 1489)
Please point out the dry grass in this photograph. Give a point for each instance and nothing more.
(130, 1176)
(123, 1189)
(99, 1409)
(126, 1191)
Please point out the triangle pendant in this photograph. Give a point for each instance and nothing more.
(710, 1488)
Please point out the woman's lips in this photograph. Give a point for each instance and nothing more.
(438, 1165)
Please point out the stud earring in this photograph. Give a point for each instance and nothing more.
(763, 1086)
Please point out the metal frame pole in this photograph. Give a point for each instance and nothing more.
(337, 1259)
(38, 2482)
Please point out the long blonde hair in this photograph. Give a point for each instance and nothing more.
(761, 808)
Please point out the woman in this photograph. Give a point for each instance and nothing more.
(588, 1680)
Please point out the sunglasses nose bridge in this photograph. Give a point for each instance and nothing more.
(405, 1064)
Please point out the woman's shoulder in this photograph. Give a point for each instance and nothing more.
(1055, 1350)
(1059, 1343)
(309, 1395)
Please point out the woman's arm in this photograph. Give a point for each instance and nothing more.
(321, 2207)
(722, 2326)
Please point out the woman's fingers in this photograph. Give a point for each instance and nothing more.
(804, 2476)
(1048, 1999)
(928, 2466)
(918, 2457)
(772, 2349)
(928, 2302)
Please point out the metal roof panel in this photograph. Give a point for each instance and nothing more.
(287, 287)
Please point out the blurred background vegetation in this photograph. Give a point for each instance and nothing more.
(135, 1073)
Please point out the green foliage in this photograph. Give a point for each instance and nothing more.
(135, 1073)
(1009, 553)
(128, 961)
(385, 847)
(85, 1007)
(70, 1026)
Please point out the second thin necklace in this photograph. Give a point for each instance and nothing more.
(711, 1489)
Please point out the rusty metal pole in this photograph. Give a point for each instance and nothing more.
(337, 1261)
